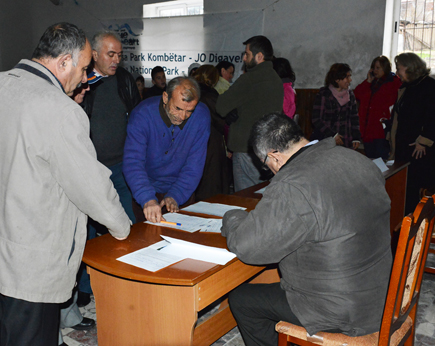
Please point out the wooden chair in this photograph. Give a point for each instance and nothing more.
(398, 322)
(429, 269)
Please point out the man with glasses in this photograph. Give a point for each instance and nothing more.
(324, 219)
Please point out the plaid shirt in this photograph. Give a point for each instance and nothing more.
(329, 118)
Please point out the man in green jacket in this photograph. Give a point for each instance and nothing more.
(255, 93)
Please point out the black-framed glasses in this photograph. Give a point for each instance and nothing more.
(264, 164)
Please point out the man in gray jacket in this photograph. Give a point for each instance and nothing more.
(325, 219)
(50, 179)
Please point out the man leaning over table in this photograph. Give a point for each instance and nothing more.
(325, 219)
(165, 149)
(50, 180)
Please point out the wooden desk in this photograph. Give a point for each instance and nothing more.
(137, 307)
(395, 184)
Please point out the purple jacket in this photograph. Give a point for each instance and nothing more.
(164, 158)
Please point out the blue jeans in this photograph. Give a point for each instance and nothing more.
(125, 198)
(245, 172)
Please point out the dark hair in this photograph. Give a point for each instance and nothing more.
(207, 74)
(337, 71)
(274, 131)
(191, 91)
(284, 69)
(156, 70)
(98, 38)
(384, 62)
(61, 39)
(416, 66)
(140, 79)
(224, 65)
(261, 44)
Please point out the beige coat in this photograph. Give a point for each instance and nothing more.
(49, 180)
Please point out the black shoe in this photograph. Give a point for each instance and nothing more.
(63, 344)
(86, 324)
(83, 299)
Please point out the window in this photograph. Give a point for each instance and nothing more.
(174, 8)
(416, 29)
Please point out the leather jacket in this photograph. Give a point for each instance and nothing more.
(127, 91)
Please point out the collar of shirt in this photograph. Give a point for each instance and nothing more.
(57, 80)
(166, 119)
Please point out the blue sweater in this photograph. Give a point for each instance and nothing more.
(164, 158)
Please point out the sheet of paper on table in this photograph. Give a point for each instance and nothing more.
(214, 226)
(211, 208)
(205, 253)
(261, 190)
(189, 223)
(381, 165)
(150, 258)
(172, 250)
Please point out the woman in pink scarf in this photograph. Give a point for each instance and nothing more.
(335, 111)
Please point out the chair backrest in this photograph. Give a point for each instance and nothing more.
(408, 268)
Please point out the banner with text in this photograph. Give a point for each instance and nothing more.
(177, 42)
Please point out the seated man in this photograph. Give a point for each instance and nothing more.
(325, 219)
(165, 148)
(158, 79)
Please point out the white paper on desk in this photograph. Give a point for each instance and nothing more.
(381, 165)
(188, 223)
(151, 258)
(213, 226)
(390, 162)
(211, 208)
(187, 249)
(261, 190)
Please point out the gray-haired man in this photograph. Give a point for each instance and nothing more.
(325, 219)
(50, 180)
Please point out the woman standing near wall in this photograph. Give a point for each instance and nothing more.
(376, 95)
(334, 110)
(413, 125)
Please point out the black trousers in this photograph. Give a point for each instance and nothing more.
(24, 323)
(257, 308)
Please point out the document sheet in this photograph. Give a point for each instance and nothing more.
(190, 223)
(381, 165)
(172, 250)
(211, 208)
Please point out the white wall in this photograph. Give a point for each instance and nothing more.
(312, 34)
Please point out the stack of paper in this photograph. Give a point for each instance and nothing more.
(211, 208)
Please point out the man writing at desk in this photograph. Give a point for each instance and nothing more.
(325, 219)
(165, 149)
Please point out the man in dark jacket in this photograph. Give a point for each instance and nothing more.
(325, 219)
(158, 78)
(112, 97)
(255, 93)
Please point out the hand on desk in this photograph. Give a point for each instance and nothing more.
(170, 203)
(153, 210)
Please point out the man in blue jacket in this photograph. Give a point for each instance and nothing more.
(165, 149)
